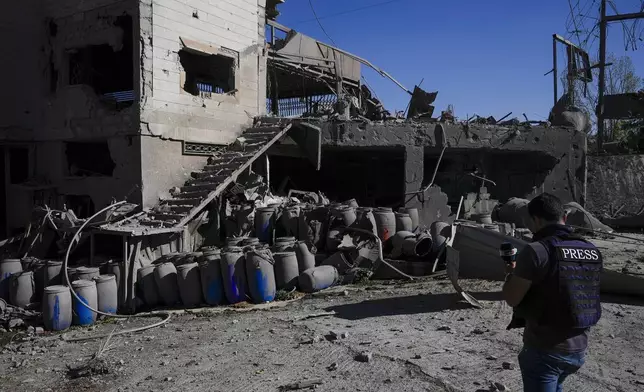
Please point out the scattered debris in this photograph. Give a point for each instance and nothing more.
(364, 356)
(301, 385)
(508, 366)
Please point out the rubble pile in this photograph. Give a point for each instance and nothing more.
(283, 244)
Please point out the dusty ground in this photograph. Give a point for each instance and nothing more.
(622, 254)
(421, 336)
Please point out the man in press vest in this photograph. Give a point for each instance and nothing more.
(554, 288)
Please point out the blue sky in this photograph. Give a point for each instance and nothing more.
(484, 57)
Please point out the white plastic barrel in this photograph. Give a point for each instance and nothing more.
(57, 308)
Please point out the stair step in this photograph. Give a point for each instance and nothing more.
(182, 210)
(152, 222)
(209, 187)
(212, 179)
(191, 195)
(167, 217)
(182, 202)
(215, 170)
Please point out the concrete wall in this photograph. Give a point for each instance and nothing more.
(560, 151)
(22, 67)
(614, 182)
(43, 111)
(164, 166)
(171, 113)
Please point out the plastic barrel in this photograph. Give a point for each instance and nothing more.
(8, 267)
(87, 273)
(419, 247)
(286, 270)
(189, 284)
(57, 308)
(290, 220)
(385, 223)
(346, 214)
(305, 259)
(261, 276)
(403, 222)
(211, 282)
(147, 285)
(284, 244)
(115, 268)
(264, 219)
(165, 275)
(318, 278)
(351, 203)
(86, 291)
(52, 273)
(415, 217)
(107, 293)
(23, 289)
(233, 273)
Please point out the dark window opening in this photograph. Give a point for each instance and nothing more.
(207, 74)
(82, 205)
(18, 165)
(110, 73)
(89, 159)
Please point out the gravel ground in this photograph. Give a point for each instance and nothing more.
(413, 336)
(420, 335)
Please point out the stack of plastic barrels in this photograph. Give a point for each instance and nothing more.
(29, 283)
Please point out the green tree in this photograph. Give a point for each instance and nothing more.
(620, 78)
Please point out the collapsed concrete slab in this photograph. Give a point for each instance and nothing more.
(479, 259)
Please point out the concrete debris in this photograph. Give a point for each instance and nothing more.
(497, 386)
(364, 356)
(296, 386)
(508, 366)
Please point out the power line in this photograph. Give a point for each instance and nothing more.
(320, 24)
(347, 11)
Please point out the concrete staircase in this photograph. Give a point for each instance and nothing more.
(222, 169)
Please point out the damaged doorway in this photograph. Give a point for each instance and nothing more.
(373, 176)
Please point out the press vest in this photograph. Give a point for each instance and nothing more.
(570, 290)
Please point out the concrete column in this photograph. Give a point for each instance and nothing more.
(414, 165)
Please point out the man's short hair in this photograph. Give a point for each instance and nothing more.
(547, 207)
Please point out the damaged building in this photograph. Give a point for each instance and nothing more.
(175, 106)
(121, 99)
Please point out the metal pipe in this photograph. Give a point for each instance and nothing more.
(165, 315)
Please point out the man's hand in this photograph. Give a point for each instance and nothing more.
(509, 267)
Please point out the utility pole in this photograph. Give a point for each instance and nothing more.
(603, 25)
(599, 110)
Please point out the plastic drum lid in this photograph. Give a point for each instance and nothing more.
(57, 289)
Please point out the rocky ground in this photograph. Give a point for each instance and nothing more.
(622, 254)
(384, 336)
(415, 337)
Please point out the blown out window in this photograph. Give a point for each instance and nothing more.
(207, 74)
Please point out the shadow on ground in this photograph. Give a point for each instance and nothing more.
(416, 304)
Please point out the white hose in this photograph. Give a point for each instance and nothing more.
(165, 315)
